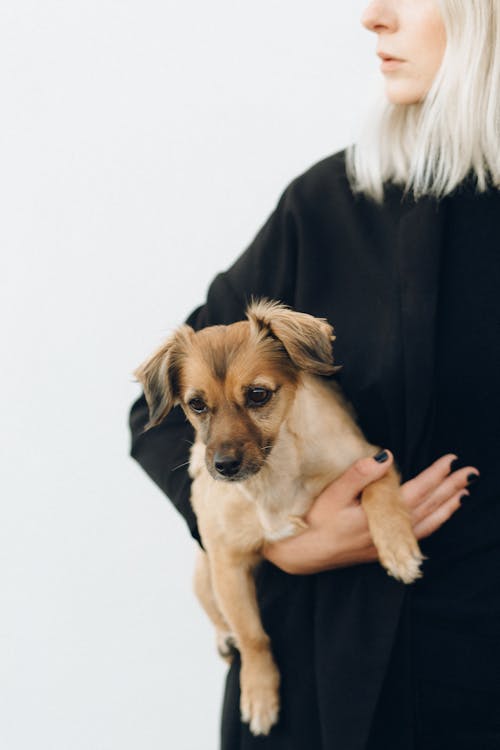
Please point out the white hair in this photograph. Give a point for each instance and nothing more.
(431, 146)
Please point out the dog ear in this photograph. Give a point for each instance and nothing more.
(159, 375)
(307, 340)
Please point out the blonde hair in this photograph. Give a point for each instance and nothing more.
(431, 146)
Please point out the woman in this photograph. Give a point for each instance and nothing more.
(396, 244)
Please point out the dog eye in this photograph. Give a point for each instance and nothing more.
(197, 405)
(258, 396)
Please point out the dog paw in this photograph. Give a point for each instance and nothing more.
(402, 559)
(396, 544)
(260, 701)
(260, 709)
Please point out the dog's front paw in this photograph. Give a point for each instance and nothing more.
(401, 556)
(260, 698)
(404, 567)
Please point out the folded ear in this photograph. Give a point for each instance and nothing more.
(307, 340)
(159, 375)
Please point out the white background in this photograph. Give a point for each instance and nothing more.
(142, 145)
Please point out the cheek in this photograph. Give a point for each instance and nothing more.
(426, 48)
(433, 46)
(269, 421)
(203, 429)
(201, 425)
(266, 425)
(412, 83)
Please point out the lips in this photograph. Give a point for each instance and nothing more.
(386, 57)
(389, 62)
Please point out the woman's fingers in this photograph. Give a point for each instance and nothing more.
(419, 488)
(434, 486)
(453, 484)
(431, 522)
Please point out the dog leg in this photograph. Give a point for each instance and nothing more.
(202, 585)
(259, 678)
(390, 528)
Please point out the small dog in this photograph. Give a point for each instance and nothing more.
(271, 433)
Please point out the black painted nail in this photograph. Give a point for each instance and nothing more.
(455, 464)
(471, 478)
(381, 457)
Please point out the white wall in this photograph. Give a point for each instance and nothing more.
(142, 144)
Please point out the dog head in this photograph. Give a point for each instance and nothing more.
(236, 383)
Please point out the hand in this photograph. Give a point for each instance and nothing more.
(338, 532)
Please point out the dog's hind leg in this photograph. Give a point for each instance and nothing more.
(234, 589)
(202, 585)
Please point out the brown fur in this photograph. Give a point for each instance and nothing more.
(257, 467)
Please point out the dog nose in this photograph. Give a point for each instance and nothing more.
(227, 465)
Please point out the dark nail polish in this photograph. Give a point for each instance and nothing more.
(471, 478)
(381, 457)
(455, 464)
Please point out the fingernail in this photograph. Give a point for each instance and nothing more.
(463, 497)
(471, 478)
(381, 457)
(455, 464)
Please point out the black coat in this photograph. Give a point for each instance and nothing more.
(373, 272)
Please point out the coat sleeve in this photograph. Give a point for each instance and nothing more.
(265, 269)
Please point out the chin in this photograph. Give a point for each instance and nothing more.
(399, 93)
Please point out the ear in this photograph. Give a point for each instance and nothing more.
(307, 340)
(159, 375)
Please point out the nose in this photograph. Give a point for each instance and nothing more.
(379, 15)
(227, 464)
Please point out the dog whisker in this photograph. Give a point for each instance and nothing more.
(185, 463)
